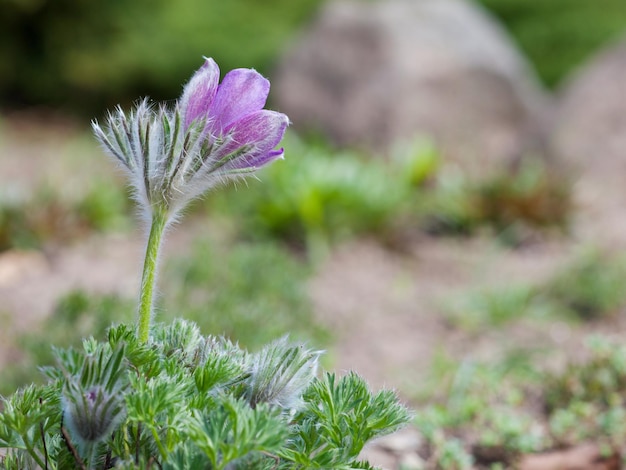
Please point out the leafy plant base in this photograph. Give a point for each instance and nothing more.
(184, 400)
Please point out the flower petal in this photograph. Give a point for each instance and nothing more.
(252, 138)
(242, 92)
(199, 93)
(257, 161)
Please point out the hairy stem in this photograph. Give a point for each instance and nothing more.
(148, 280)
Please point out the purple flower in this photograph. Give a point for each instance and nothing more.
(215, 132)
(233, 115)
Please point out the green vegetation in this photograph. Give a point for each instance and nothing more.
(316, 197)
(250, 286)
(82, 56)
(591, 287)
(558, 35)
(165, 395)
(76, 316)
(89, 56)
(587, 399)
(46, 216)
(191, 401)
(515, 204)
(492, 308)
(250, 293)
(503, 412)
(586, 289)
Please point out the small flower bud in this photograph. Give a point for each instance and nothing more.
(279, 374)
(93, 400)
(91, 415)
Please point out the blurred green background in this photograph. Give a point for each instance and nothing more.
(85, 55)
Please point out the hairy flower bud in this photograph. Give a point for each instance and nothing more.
(279, 374)
(91, 415)
(214, 132)
(93, 401)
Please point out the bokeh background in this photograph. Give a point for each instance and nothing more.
(466, 290)
(82, 57)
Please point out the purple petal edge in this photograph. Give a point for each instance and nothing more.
(257, 161)
(199, 93)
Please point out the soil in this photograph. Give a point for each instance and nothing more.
(387, 308)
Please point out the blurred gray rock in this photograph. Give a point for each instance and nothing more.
(368, 73)
(590, 123)
(589, 139)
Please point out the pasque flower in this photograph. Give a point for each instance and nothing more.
(214, 132)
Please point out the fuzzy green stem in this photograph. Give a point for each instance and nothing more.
(146, 299)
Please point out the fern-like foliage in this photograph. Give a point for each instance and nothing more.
(184, 400)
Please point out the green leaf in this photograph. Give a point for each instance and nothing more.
(234, 430)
